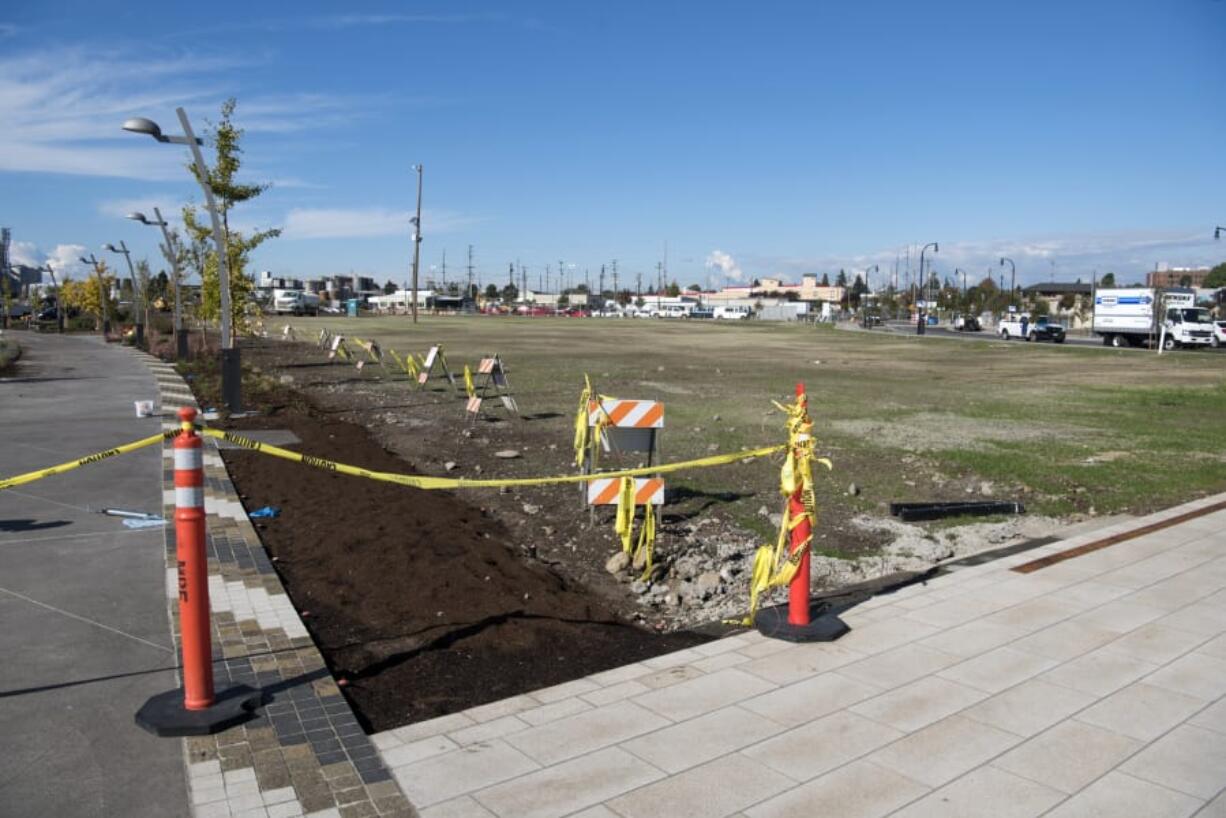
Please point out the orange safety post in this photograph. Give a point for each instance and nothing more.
(799, 624)
(197, 709)
(798, 590)
(192, 563)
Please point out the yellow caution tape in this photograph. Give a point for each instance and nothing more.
(429, 483)
(623, 523)
(774, 567)
(647, 539)
(581, 428)
(469, 386)
(588, 437)
(30, 477)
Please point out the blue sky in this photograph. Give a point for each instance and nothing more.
(754, 139)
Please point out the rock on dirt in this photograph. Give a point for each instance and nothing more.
(507, 454)
(617, 563)
(531, 508)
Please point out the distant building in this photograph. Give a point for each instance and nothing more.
(1056, 293)
(807, 290)
(1176, 277)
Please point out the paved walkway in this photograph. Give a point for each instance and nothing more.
(84, 636)
(1090, 687)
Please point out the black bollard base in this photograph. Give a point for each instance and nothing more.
(773, 624)
(140, 336)
(164, 714)
(232, 380)
(181, 345)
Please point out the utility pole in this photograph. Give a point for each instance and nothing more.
(468, 293)
(601, 293)
(659, 280)
(444, 269)
(638, 280)
(416, 240)
(510, 277)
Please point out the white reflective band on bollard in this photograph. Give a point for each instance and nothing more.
(189, 496)
(189, 458)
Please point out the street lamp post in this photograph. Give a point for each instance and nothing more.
(59, 299)
(231, 362)
(104, 313)
(958, 270)
(1217, 232)
(416, 220)
(1012, 277)
(876, 269)
(171, 251)
(920, 318)
(138, 292)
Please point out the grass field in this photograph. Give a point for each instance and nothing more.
(1067, 428)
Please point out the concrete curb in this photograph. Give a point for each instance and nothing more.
(305, 754)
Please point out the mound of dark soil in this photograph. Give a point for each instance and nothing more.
(418, 598)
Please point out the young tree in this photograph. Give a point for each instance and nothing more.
(1217, 276)
(228, 192)
(841, 281)
(390, 287)
(1107, 281)
(510, 293)
(87, 295)
(491, 291)
(672, 290)
(825, 280)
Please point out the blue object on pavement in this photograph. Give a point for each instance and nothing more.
(266, 512)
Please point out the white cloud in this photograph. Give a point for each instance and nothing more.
(25, 252)
(338, 223)
(120, 208)
(64, 109)
(1064, 256)
(725, 265)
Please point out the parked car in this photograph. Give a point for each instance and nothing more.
(702, 313)
(870, 319)
(967, 323)
(1219, 334)
(734, 313)
(1022, 327)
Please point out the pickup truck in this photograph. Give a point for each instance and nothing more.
(966, 323)
(294, 302)
(1039, 330)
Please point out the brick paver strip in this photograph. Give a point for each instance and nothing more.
(1052, 559)
(305, 747)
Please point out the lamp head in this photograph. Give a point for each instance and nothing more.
(1217, 232)
(112, 248)
(138, 217)
(141, 125)
(936, 247)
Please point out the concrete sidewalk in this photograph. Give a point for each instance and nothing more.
(1092, 686)
(85, 638)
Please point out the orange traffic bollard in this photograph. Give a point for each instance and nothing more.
(192, 565)
(799, 625)
(195, 710)
(798, 590)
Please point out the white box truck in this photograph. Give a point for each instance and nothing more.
(1131, 316)
(294, 302)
